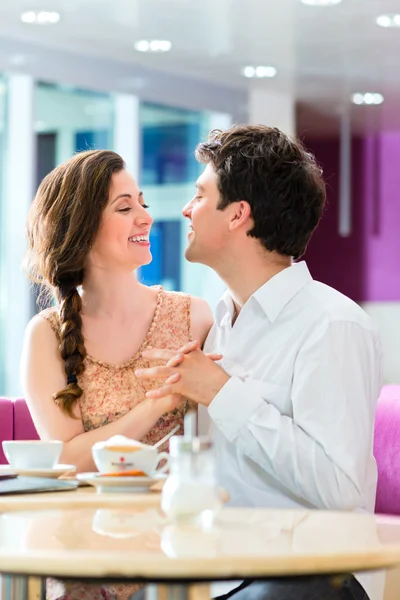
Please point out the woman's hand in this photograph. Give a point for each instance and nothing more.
(175, 358)
(193, 374)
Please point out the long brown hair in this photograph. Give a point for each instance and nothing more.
(63, 222)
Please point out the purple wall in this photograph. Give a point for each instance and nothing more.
(332, 259)
(364, 265)
(382, 217)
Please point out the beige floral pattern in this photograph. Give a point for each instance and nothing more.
(110, 391)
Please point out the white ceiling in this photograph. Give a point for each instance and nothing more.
(322, 54)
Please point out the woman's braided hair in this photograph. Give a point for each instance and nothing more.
(63, 222)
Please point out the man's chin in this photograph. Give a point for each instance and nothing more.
(191, 256)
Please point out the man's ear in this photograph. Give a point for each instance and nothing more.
(240, 214)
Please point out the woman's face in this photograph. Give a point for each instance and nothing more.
(122, 241)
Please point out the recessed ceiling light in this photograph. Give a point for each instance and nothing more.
(369, 98)
(321, 2)
(41, 17)
(153, 45)
(259, 71)
(388, 20)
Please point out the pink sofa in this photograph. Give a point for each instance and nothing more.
(387, 454)
(24, 428)
(16, 423)
(6, 424)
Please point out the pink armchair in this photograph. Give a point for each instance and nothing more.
(6, 424)
(16, 423)
(24, 428)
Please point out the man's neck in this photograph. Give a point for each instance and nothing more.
(244, 277)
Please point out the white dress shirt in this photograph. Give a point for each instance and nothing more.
(293, 426)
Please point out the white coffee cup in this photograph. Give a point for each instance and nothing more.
(32, 454)
(119, 455)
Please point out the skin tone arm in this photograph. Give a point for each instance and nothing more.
(201, 319)
(205, 378)
(189, 372)
(42, 374)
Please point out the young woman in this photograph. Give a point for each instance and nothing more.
(88, 231)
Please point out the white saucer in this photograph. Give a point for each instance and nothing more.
(105, 483)
(49, 473)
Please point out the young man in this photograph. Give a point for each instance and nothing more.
(292, 401)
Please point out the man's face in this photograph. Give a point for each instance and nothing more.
(209, 227)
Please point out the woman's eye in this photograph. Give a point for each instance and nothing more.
(145, 206)
(124, 210)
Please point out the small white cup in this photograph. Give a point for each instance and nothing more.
(32, 454)
(117, 459)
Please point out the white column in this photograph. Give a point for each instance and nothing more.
(17, 303)
(65, 144)
(127, 131)
(274, 109)
(205, 282)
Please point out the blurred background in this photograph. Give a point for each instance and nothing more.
(150, 78)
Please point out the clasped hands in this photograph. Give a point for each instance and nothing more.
(188, 372)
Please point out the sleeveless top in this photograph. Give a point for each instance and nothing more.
(109, 392)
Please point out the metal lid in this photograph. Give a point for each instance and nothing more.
(180, 444)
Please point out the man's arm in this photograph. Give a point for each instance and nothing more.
(320, 452)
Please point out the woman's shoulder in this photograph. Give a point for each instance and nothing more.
(201, 318)
(195, 305)
(51, 315)
(174, 296)
(189, 312)
(40, 330)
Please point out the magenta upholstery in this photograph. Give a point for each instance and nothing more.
(24, 428)
(16, 423)
(6, 424)
(390, 392)
(387, 455)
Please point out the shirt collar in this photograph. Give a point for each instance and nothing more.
(224, 307)
(273, 296)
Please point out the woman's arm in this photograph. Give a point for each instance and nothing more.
(201, 320)
(42, 374)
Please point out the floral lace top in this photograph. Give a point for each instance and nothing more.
(110, 391)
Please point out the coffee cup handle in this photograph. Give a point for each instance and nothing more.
(162, 456)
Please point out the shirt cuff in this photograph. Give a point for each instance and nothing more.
(234, 404)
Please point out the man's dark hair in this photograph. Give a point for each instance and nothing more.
(276, 176)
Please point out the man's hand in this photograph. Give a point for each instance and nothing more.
(188, 372)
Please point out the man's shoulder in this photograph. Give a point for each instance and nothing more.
(323, 301)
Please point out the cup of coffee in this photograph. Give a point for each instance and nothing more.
(122, 455)
(32, 454)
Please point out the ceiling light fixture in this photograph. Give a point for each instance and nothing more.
(369, 98)
(153, 46)
(41, 17)
(321, 2)
(388, 20)
(259, 72)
